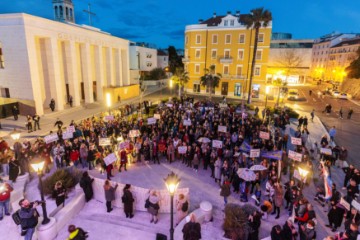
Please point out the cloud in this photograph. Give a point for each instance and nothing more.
(176, 34)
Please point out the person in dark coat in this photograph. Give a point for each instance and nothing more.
(59, 193)
(192, 229)
(76, 233)
(14, 168)
(335, 216)
(15, 112)
(288, 231)
(225, 190)
(128, 201)
(29, 217)
(109, 194)
(85, 183)
(254, 223)
(276, 233)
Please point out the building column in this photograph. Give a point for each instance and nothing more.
(71, 66)
(99, 72)
(108, 67)
(112, 66)
(52, 56)
(86, 72)
(121, 80)
(125, 67)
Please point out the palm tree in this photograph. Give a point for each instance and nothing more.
(181, 78)
(280, 84)
(210, 79)
(257, 19)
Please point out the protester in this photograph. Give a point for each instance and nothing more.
(128, 201)
(109, 194)
(76, 233)
(191, 229)
(86, 185)
(14, 169)
(5, 193)
(182, 208)
(59, 193)
(154, 206)
(29, 217)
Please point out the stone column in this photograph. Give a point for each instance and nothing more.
(108, 66)
(125, 67)
(86, 72)
(99, 72)
(72, 71)
(112, 64)
(120, 70)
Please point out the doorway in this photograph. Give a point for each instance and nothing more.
(224, 88)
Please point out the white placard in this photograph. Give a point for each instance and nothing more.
(170, 105)
(326, 151)
(295, 141)
(187, 122)
(67, 135)
(104, 141)
(355, 204)
(345, 204)
(70, 129)
(223, 105)
(151, 121)
(109, 118)
(157, 116)
(110, 159)
(222, 129)
(264, 135)
(51, 138)
(134, 133)
(295, 156)
(297, 175)
(216, 144)
(123, 145)
(182, 149)
(254, 153)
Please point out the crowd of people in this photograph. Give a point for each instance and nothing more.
(186, 131)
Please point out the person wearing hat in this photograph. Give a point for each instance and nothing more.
(77, 233)
(128, 201)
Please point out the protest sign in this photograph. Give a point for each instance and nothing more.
(157, 116)
(355, 204)
(110, 159)
(295, 156)
(254, 153)
(104, 141)
(295, 141)
(109, 118)
(151, 121)
(70, 129)
(182, 149)
(264, 135)
(169, 105)
(67, 135)
(326, 151)
(134, 133)
(187, 122)
(51, 138)
(297, 175)
(222, 129)
(216, 144)
(122, 145)
(345, 204)
(223, 105)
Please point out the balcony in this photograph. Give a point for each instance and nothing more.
(226, 59)
(185, 59)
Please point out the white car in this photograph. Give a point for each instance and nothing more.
(336, 93)
(343, 96)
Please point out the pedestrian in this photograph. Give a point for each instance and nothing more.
(128, 201)
(278, 199)
(341, 113)
(351, 111)
(301, 121)
(83, 155)
(217, 172)
(5, 193)
(76, 233)
(312, 114)
(70, 100)
(36, 119)
(86, 185)
(14, 169)
(15, 112)
(123, 159)
(305, 122)
(225, 189)
(182, 208)
(332, 133)
(191, 229)
(59, 193)
(109, 194)
(276, 233)
(335, 216)
(52, 104)
(289, 231)
(310, 92)
(29, 123)
(153, 206)
(307, 231)
(58, 123)
(29, 218)
(254, 224)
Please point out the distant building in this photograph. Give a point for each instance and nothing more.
(226, 43)
(281, 36)
(142, 59)
(162, 59)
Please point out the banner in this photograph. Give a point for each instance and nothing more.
(264, 135)
(134, 133)
(216, 144)
(151, 121)
(187, 122)
(51, 138)
(109, 118)
(222, 129)
(295, 156)
(254, 153)
(70, 129)
(182, 149)
(104, 141)
(67, 135)
(295, 141)
(157, 116)
(110, 159)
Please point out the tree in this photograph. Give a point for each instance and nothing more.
(353, 70)
(181, 78)
(290, 61)
(211, 79)
(174, 60)
(281, 85)
(256, 19)
(156, 74)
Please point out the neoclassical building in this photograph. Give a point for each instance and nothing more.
(44, 59)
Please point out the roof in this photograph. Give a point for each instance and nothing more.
(161, 52)
(215, 21)
(351, 41)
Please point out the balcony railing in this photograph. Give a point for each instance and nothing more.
(226, 59)
(233, 77)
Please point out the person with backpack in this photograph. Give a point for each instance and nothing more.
(128, 201)
(5, 193)
(191, 229)
(77, 233)
(182, 208)
(29, 218)
(109, 194)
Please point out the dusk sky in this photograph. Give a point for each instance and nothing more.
(163, 22)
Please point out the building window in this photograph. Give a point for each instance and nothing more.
(213, 54)
(198, 39)
(186, 39)
(214, 38)
(226, 70)
(257, 71)
(226, 23)
(226, 53)
(197, 53)
(148, 64)
(227, 39)
(197, 68)
(196, 88)
(258, 55)
(261, 38)
(148, 55)
(208, 90)
(242, 38)
(239, 71)
(2, 64)
(255, 91)
(232, 22)
(240, 54)
(5, 93)
(237, 90)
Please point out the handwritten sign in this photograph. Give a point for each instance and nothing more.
(326, 151)
(182, 149)
(109, 118)
(51, 138)
(109, 159)
(222, 129)
(134, 133)
(151, 121)
(345, 204)
(169, 105)
(355, 204)
(264, 135)
(123, 145)
(157, 116)
(223, 105)
(104, 141)
(254, 153)
(67, 135)
(187, 122)
(70, 129)
(216, 144)
(295, 141)
(295, 156)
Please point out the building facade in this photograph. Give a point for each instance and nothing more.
(226, 43)
(45, 59)
(143, 59)
(162, 59)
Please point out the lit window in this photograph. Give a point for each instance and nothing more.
(198, 39)
(197, 68)
(241, 54)
(214, 39)
(242, 38)
(258, 55)
(226, 70)
(197, 53)
(227, 38)
(261, 38)
(213, 54)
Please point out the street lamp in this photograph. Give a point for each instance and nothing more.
(108, 101)
(171, 83)
(38, 167)
(303, 173)
(15, 134)
(172, 182)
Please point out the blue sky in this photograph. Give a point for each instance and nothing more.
(163, 22)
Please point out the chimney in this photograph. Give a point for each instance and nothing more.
(200, 20)
(228, 12)
(237, 13)
(214, 15)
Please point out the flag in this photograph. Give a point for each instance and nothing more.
(327, 183)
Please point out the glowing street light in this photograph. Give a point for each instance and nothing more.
(108, 101)
(303, 173)
(172, 182)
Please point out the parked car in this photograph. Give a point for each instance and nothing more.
(343, 96)
(335, 93)
(293, 94)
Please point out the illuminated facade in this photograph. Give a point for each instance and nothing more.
(226, 43)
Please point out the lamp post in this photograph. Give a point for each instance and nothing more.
(172, 182)
(38, 167)
(108, 101)
(303, 173)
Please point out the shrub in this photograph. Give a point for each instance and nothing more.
(236, 222)
(68, 176)
(249, 209)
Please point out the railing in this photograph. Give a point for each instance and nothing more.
(226, 59)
